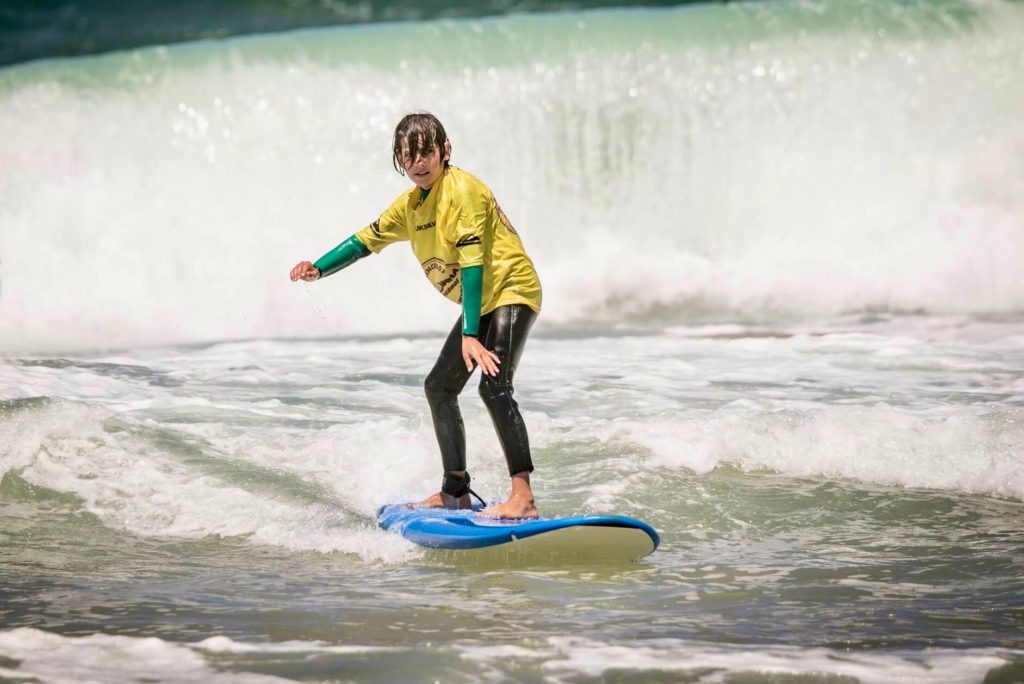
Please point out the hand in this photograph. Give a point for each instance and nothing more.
(473, 350)
(304, 270)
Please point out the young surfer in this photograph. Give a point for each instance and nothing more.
(470, 252)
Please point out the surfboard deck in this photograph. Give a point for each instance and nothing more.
(590, 537)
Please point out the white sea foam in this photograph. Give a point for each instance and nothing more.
(133, 484)
(962, 450)
(568, 657)
(223, 644)
(653, 168)
(53, 659)
(296, 444)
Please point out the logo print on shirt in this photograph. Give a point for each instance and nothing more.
(426, 226)
(443, 276)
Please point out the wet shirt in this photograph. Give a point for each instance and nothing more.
(459, 224)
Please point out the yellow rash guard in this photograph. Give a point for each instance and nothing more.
(459, 224)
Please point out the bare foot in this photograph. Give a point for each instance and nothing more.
(442, 500)
(520, 501)
(515, 507)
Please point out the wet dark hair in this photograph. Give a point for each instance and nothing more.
(414, 129)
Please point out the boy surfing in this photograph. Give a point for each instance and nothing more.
(470, 252)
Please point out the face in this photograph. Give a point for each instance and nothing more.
(427, 167)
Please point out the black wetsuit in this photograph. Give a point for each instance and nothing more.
(503, 332)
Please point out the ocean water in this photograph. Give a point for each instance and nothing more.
(784, 323)
(35, 29)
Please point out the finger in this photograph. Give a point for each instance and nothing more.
(467, 357)
(492, 362)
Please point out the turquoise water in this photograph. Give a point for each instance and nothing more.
(35, 29)
(783, 324)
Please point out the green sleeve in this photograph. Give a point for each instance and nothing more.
(345, 254)
(472, 293)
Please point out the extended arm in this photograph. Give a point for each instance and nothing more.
(347, 253)
(389, 228)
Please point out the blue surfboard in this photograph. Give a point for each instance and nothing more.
(603, 537)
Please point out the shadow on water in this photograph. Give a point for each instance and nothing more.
(196, 452)
(118, 371)
(12, 406)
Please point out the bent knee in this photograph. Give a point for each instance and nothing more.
(491, 389)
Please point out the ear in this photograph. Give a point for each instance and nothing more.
(447, 150)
